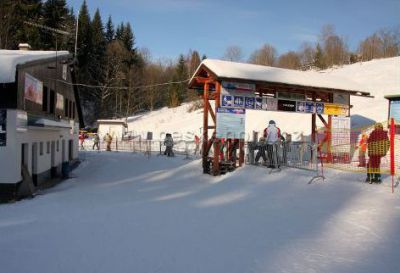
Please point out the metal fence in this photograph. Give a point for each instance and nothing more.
(187, 148)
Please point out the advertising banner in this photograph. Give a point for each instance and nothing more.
(249, 102)
(227, 101)
(301, 107)
(286, 105)
(3, 127)
(310, 107)
(319, 108)
(60, 102)
(259, 104)
(238, 101)
(395, 110)
(272, 104)
(336, 109)
(33, 90)
(341, 132)
(231, 123)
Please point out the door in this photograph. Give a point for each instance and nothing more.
(34, 163)
(53, 159)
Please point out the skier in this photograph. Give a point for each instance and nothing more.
(108, 139)
(261, 146)
(362, 146)
(378, 146)
(197, 143)
(169, 144)
(82, 140)
(96, 141)
(272, 135)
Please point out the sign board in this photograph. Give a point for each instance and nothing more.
(231, 123)
(336, 109)
(238, 101)
(286, 105)
(3, 127)
(319, 108)
(33, 89)
(272, 104)
(247, 87)
(60, 102)
(394, 111)
(341, 133)
(22, 121)
(249, 102)
(227, 101)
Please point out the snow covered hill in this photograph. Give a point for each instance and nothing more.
(379, 77)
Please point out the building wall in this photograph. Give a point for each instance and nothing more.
(41, 164)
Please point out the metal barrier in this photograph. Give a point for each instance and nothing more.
(187, 148)
(300, 155)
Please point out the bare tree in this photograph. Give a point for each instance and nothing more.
(307, 55)
(290, 60)
(266, 55)
(233, 53)
(334, 48)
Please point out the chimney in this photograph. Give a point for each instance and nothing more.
(24, 46)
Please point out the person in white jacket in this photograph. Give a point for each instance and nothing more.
(272, 135)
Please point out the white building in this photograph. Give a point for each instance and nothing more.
(38, 119)
(116, 128)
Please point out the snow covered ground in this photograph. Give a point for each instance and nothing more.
(125, 212)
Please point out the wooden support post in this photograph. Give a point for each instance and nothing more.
(313, 123)
(217, 147)
(329, 139)
(205, 128)
(241, 152)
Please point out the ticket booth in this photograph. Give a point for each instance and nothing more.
(394, 110)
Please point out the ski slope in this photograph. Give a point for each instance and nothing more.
(379, 77)
(126, 213)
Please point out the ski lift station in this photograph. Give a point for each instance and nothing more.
(237, 87)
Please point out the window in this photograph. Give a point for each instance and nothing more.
(73, 110)
(48, 147)
(41, 148)
(70, 108)
(45, 99)
(52, 101)
(66, 107)
(58, 145)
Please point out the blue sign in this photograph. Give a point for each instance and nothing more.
(258, 103)
(395, 110)
(227, 101)
(249, 102)
(319, 108)
(310, 107)
(238, 101)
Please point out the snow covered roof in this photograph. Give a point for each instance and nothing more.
(9, 59)
(260, 73)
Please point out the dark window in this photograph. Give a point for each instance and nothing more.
(70, 108)
(58, 145)
(73, 110)
(66, 107)
(48, 147)
(52, 101)
(41, 148)
(45, 99)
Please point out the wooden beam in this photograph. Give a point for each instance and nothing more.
(212, 114)
(205, 128)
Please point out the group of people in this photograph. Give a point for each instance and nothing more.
(377, 144)
(96, 141)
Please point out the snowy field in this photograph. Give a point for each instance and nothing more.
(123, 212)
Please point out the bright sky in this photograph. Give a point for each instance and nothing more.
(170, 27)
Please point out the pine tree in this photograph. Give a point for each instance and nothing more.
(110, 32)
(84, 37)
(119, 33)
(128, 39)
(178, 91)
(319, 58)
(55, 15)
(99, 47)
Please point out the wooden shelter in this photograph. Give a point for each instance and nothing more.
(214, 76)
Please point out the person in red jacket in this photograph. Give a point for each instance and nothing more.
(378, 146)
